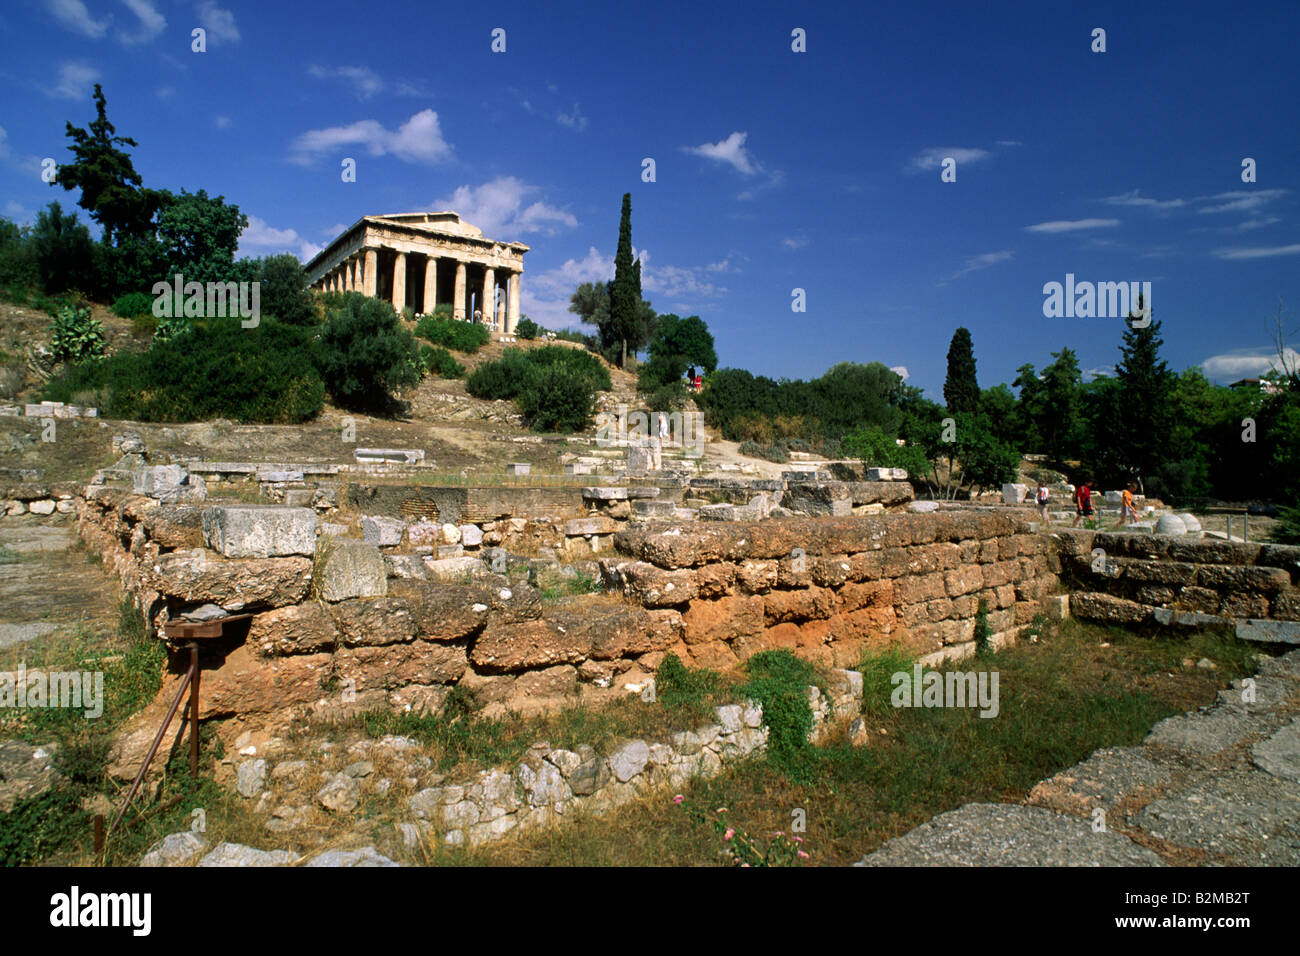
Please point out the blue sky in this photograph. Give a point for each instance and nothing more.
(775, 170)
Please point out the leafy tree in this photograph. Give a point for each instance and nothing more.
(366, 353)
(975, 458)
(111, 189)
(998, 409)
(678, 344)
(199, 234)
(590, 302)
(284, 291)
(961, 390)
(62, 250)
(17, 264)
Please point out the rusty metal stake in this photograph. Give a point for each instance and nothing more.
(99, 834)
(162, 732)
(194, 710)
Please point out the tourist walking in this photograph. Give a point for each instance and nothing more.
(1082, 503)
(1129, 509)
(1040, 499)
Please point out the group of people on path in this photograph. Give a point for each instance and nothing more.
(1083, 510)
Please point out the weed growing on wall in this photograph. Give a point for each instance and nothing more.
(779, 681)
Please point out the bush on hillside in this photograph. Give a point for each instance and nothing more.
(133, 305)
(461, 336)
(217, 370)
(557, 398)
(438, 361)
(365, 354)
(284, 293)
(501, 379)
(527, 329)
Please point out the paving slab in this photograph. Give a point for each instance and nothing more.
(1001, 834)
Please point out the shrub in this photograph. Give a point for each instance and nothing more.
(527, 329)
(217, 370)
(583, 364)
(169, 327)
(666, 397)
(438, 361)
(557, 398)
(365, 354)
(75, 336)
(133, 305)
(461, 336)
(500, 379)
(681, 689)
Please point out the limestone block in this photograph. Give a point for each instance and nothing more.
(153, 479)
(1014, 493)
(43, 507)
(260, 531)
(471, 535)
(352, 569)
(383, 532)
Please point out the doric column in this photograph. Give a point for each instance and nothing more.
(399, 282)
(489, 300)
(458, 305)
(347, 276)
(501, 308)
(430, 283)
(368, 284)
(513, 319)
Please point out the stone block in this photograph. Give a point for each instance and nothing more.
(352, 569)
(518, 468)
(260, 531)
(382, 532)
(576, 527)
(1014, 493)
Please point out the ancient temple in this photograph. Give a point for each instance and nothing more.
(423, 259)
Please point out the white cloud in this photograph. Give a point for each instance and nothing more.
(165, 91)
(901, 370)
(19, 213)
(498, 208)
(219, 22)
(546, 294)
(1245, 363)
(1135, 199)
(365, 81)
(260, 239)
(794, 242)
(1258, 252)
(1010, 142)
(1071, 225)
(418, 140)
(574, 120)
(152, 22)
(1101, 371)
(1240, 200)
(74, 15)
(730, 151)
(222, 122)
(975, 263)
(933, 157)
(1250, 224)
(75, 81)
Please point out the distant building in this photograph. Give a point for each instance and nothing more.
(1257, 384)
(425, 259)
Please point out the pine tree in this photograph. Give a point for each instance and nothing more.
(111, 189)
(961, 390)
(1144, 420)
(624, 292)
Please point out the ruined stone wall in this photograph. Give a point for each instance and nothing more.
(827, 588)
(1141, 578)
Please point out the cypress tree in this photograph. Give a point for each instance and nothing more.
(624, 292)
(1144, 419)
(961, 390)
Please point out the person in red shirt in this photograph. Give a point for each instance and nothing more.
(1082, 502)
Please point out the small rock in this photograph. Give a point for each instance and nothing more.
(175, 849)
(340, 795)
(250, 778)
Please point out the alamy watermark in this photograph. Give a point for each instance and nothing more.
(208, 300)
(1101, 300)
(38, 689)
(675, 428)
(951, 689)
